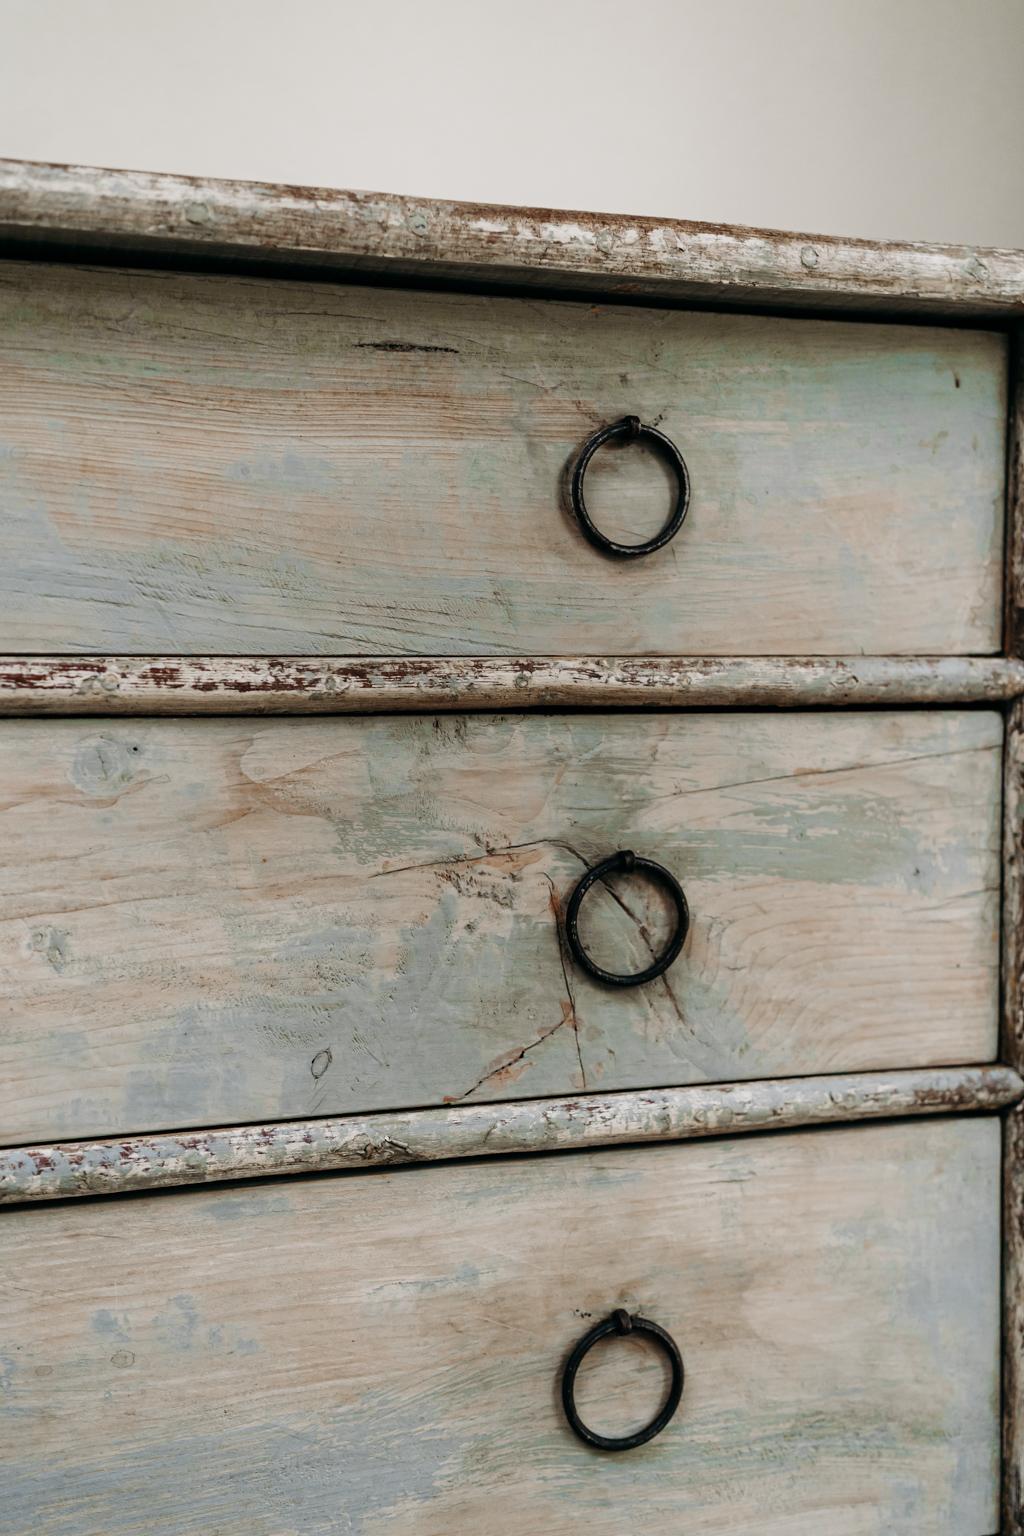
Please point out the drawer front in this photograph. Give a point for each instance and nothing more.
(219, 465)
(220, 921)
(380, 1354)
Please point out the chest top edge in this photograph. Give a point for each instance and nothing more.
(54, 208)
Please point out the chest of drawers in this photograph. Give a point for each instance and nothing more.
(501, 993)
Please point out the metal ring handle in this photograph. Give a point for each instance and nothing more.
(622, 1322)
(632, 429)
(627, 862)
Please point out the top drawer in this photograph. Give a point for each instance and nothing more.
(220, 465)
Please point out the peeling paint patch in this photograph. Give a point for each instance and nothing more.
(104, 1323)
(52, 944)
(104, 765)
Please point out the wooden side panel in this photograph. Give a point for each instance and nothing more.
(379, 1354)
(1012, 1044)
(219, 921)
(229, 466)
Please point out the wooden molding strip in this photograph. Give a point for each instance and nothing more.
(167, 1159)
(175, 685)
(122, 212)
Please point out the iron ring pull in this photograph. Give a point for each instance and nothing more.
(622, 1322)
(631, 429)
(627, 862)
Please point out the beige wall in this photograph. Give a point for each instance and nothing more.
(900, 118)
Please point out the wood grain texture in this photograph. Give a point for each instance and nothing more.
(223, 466)
(131, 1164)
(216, 685)
(223, 921)
(380, 1353)
(55, 206)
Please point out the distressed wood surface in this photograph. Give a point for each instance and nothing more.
(1012, 1045)
(380, 1353)
(1013, 632)
(189, 685)
(60, 206)
(130, 1164)
(222, 921)
(212, 465)
(1013, 1324)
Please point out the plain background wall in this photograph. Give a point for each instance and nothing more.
(882, 118)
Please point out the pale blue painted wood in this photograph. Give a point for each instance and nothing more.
(208, 464)
(221, 921)
(379, 1354)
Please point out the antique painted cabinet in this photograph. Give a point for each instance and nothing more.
(511, 764)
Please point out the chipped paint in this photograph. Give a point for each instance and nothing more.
(341, 684)
(343, 231)
(489, 1130)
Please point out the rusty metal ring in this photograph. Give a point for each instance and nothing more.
(631, 429)
(622, 1322)
(627, 862)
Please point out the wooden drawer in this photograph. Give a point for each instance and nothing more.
(202, 464)
(218, 921)
(381, 1353)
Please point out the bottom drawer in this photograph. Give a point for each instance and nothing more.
(380, 1353)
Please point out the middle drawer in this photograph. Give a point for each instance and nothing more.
(218, 921)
